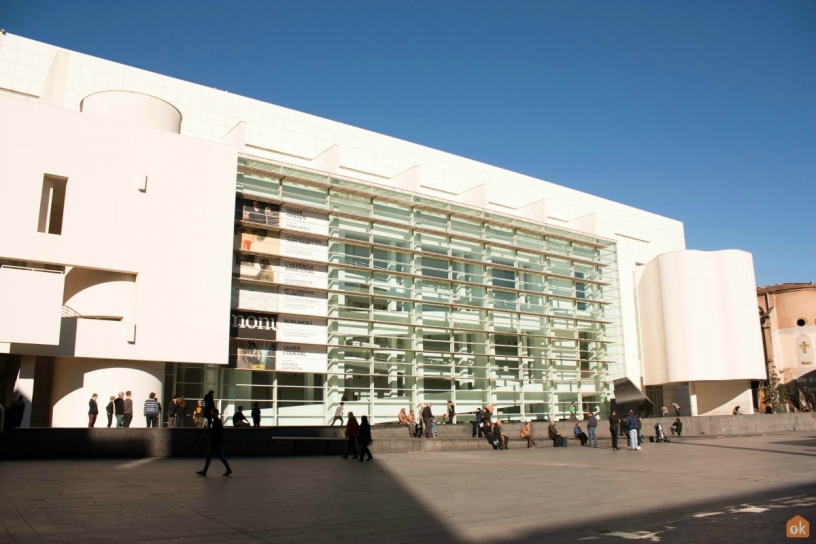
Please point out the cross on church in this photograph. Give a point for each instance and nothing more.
(804, 346)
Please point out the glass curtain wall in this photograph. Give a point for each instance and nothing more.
(430, 301)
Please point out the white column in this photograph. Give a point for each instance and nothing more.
(693, 398)
(25, 386)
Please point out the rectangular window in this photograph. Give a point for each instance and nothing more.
(52, 204)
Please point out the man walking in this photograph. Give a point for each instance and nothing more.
(632, 430)
(614, 427)
(128, 411)
(338, 415)
(592, 429)
(119, 409)
(151, 411)
(209, 406)
(93, 411)
(216, 444)
(427, 421)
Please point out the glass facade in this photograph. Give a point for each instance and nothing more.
(403, 299)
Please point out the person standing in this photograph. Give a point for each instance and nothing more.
(181, 412)
(151, 411)
(109, 410)
(198, 415)
(364, 437)
(256, 415)
(451, 412)
(632, 430)
(171, 412)
(216, 430)
(128, 411)
(352, 429)
(427, 421)
(119, 409)
(592, 429)
(93, 411)
(572, 411)
(477, 424)
(640, 431)
(18, 411)
(676, 408)
(664, 412)
(614, 427)
(338, 414)
(209, 406)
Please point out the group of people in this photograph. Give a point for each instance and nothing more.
(425, 427)
(358, 434)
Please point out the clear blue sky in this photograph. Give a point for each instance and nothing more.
(700, 111)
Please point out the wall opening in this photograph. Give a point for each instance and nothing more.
(52, 204)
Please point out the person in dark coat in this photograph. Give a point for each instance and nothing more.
(352, 430)
(451, 412)
(364, 438)
(580, 434)
(216, 444)
(632, 430)
(552, 432)
(181, 412)
(119, 409)
(209, 406)
(614, 427)
(477, 424)
(427, 421)
(677, 427)
(17, 409)
(109, 410)
(93, 411)
(256, 415)
(128, 410)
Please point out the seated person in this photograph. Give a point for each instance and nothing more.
(527, 434)
(412, 424)
(498, 432)
(580, 434)
(553, 433)
(239, 420)
(489, 434)
(677, 427)
(403, 420)
(736, 411)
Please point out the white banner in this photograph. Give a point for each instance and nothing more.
(303, 246)
(302, 274)
(255, 297)
(300, 329)
(303, 220)
(300, 301)
(301, 358)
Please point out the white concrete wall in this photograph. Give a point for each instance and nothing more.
(30, 301)
(76, 379)
(698, 318)
(720, 398)
(175, 239)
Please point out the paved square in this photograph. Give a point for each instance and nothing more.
(706, 490)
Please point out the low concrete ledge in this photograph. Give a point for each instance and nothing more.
(40, 443)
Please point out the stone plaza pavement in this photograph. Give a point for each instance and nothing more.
(700, 490)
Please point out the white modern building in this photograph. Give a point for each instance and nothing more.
(161, 236)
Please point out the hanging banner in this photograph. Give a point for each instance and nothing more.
(255, 355)
(302, 274)
(300, 358)
(262, 213)
(251, 326)
(299, 329)
(259, 241)
(294, 218)
(303, 246)
(255, 297)
(299, 301)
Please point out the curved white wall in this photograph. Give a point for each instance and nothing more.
(99, 293)
(698, 318)
(76, 379)
(138, 108)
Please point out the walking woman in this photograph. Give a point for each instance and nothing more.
(216, 444)
(364, 437)
(352, 429)
(181, 412)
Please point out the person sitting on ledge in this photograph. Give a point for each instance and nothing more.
(403, 420)
(527, 434)
(498, 432)
(488, 433)
(677, 427)
(580, 434)
(736, 411)
(553, 433)
(239, 419)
